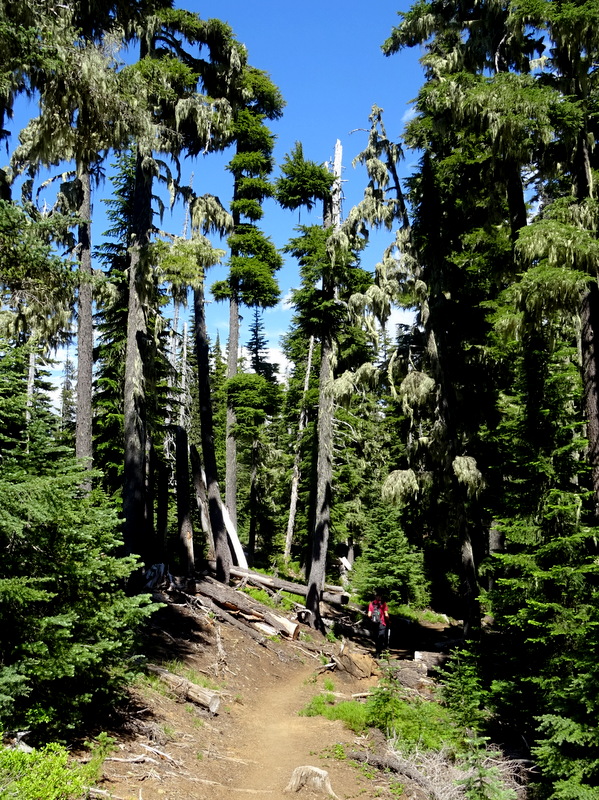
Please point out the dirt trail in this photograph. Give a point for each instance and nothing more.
(272, 740)
(251, 748)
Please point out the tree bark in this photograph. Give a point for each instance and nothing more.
(185, 526)
(207, 698)
(161, 510)
(199, 485)
(324, 473)
(253, 503)
(231, 444)
(324, 467)
(252, 610)
(217, 522)
(297, 456)
(85, 332)
(590, 354)
(134, 405)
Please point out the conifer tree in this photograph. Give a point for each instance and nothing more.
(173, 86)
(254, 259)
(328, 263)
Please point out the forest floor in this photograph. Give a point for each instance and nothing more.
(170, 749)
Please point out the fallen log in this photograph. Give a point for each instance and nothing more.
(397, 764)
(210, 605)
(207, 698)
(335, 595)
(236, 601)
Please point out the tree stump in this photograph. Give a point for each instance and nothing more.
(312, 778)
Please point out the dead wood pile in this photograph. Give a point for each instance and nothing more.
(232, 605)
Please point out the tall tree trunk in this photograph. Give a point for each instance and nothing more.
(134, 406)
(295, 479)
(324, 476)
(199, 485)
(253, 503)
(590, 372)
(231, 444)
(217, 522)
(85, 333)
(183, 502)
(324, 463)
(162, 509)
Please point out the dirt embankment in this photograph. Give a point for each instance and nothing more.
(172, 750)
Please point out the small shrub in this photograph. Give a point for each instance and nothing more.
(416, 722)
(47, 773)
(350, 712)
(484, 780)
(462, 691)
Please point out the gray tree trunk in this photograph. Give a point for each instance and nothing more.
(217, 522)
(183, 503)
(199, 485)
(85, 331)
(324, 472)
(590, 374)
(324, 466)
(295, 479)
(231, 444)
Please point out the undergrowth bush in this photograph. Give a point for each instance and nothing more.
(67, 627)
(462, 691)
(415, 722)
(353, 714)
(48, 774)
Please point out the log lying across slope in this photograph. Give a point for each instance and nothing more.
(253, 613)
(335, 595)
(207, 698)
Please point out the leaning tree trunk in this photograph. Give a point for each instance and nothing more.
(85, 335)
(217, 522)
(231, 444)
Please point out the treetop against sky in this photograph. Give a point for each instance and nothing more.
(327, 61)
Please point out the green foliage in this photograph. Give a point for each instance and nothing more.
(48, 773)
(414, 722)
(389, 563)
(462, 690)
(36, 285)
(353, 714)
(260, 595)
(484, 781)
(67, 627)
(303, 182)
(417, 723)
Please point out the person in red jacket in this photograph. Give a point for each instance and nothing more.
(378, 614)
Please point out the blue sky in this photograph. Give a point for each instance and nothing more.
(326, 59)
